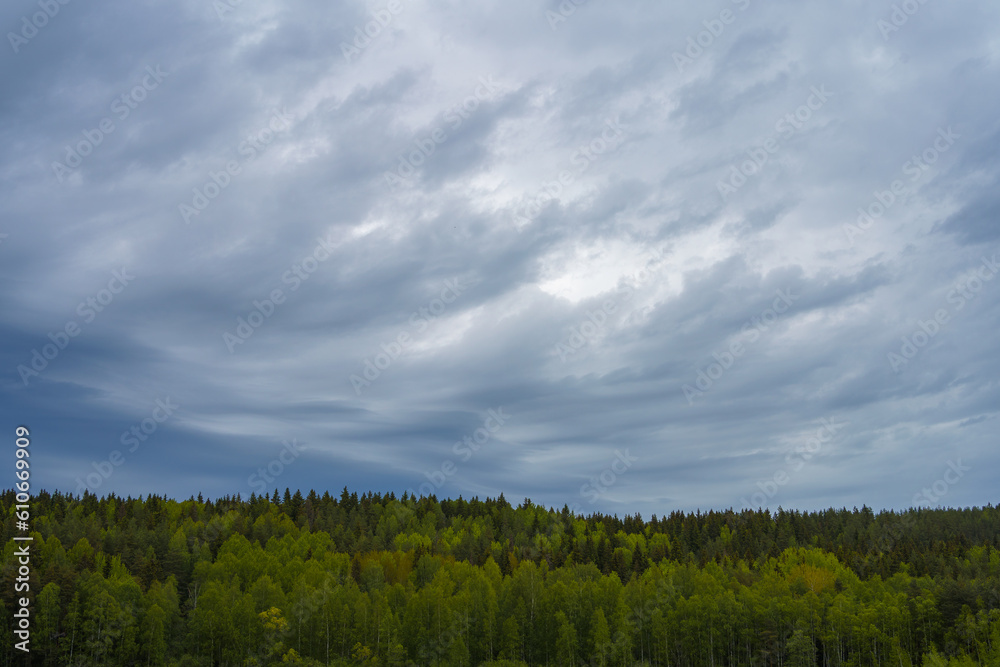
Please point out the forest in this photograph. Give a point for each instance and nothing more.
(397, 581)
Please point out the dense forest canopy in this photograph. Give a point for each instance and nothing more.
(380, 580)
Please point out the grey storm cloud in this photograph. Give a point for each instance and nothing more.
(696, 257)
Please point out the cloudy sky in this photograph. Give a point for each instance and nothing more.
(629, 257)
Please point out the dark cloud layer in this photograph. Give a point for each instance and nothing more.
(611, 257)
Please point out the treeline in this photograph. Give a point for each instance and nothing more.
(381, 580)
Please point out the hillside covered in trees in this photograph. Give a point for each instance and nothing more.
(381, 580)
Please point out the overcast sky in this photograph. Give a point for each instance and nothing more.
(629, 257)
